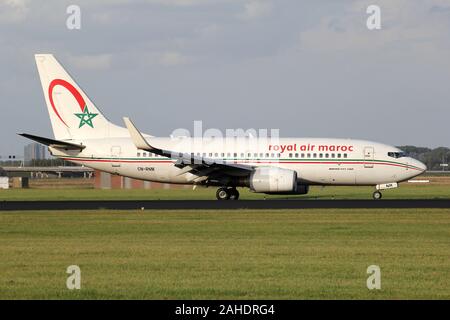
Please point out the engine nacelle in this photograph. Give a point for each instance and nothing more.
(273, 180)
(301, 189)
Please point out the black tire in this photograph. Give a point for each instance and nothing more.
(222, 194)
(234, 194)
(377, 195)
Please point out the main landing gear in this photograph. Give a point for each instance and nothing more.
(227, 194)
(377, 195)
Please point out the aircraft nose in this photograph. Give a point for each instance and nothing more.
(420, 165)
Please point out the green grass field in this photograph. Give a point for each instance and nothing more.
(283, 254)
(273, 254)
(405, 191)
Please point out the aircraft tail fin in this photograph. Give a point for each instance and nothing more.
(72, 114)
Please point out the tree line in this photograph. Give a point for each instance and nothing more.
(433, 158)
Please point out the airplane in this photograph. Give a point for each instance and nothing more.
(288, 166)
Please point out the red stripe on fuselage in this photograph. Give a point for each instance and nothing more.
(247, 162)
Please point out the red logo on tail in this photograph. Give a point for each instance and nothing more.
(72, 90)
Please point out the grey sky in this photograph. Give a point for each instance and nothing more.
(310, 68)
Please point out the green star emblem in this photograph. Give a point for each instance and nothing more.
(86, 117)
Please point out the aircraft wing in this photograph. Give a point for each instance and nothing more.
(53, 143)
(199, 166)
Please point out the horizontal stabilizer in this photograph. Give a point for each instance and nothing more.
(54, 143)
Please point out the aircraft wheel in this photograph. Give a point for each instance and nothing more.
(377, 195)
(234, 194)
(222, 194)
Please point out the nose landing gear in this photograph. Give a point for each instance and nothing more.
(227, 194)
(377, 195)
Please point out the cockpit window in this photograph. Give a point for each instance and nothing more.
(396, 154)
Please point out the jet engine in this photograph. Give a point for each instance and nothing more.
(273, 180)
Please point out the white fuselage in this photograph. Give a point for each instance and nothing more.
(317, 161)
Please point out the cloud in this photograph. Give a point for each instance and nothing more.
(418, 25)
(208, 30)
(172, 59)
(250, 48)
(254, 9)
(166, 58)
(13, 11)
(178, 3)
(92, 62)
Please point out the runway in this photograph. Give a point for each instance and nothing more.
(220, 205)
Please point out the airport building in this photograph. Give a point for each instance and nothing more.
(105, 180)
(34, 151)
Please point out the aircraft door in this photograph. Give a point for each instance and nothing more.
(368, 157)
(115, 155)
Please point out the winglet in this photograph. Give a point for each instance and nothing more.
(138, 140)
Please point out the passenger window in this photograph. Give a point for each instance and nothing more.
(296, 155)
(320, 155)
(290, 155)
(138, 154)
(303, 155)
(309, 155)
(255, 155)
(327, 155)
(345, 155)
(315, 155)
(338, 155)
